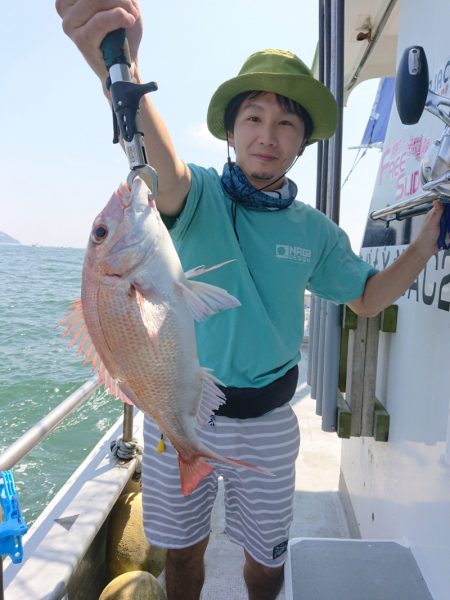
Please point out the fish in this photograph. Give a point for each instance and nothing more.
(134, 323)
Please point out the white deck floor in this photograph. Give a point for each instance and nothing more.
(318, 510)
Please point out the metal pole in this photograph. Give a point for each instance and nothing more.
(332, 204)
(392, 210)
(314, 352)
(311, 336)
(314, 321)
(127, 435)
(331, 337)
(331, 367)
(325, 176)
(326, 79)
(320, 145)
(320, 356)
(337, 87)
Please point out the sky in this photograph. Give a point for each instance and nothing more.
(59, 165)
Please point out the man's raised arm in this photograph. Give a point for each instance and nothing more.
(87, 22)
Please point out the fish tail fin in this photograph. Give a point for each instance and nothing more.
(193, 471)
(241, 463)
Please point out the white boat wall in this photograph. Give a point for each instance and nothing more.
(400, 489)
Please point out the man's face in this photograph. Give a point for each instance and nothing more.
(266, 139)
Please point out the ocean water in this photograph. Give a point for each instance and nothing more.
(38, 371)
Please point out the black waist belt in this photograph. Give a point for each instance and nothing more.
(248, 403)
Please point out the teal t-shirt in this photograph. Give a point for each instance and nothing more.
(279, 254)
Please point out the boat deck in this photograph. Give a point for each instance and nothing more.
(318, 510)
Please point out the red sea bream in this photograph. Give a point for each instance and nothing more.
(135, 325)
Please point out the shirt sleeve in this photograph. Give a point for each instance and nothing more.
(339, 275)
(180, 225)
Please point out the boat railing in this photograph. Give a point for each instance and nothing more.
(417, 205)
(38, 432)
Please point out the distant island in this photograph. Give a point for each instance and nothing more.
(7, 239)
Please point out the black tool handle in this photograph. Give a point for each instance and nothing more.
(115, 48)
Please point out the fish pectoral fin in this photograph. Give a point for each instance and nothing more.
(205, 299)
(153, 315)
(212, 396)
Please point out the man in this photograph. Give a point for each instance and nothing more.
(267, 115)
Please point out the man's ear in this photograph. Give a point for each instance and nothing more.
(302, 147)
(230, 138)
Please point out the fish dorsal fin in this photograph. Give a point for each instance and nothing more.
(212, 396)
(75, 328)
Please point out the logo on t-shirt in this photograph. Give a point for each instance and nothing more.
(295, 253)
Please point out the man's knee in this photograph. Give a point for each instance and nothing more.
(185, 572)
(263, 583)
(182, 557)
(256, 569)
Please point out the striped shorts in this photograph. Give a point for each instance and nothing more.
(258, 508)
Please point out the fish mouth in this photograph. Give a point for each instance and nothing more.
(133, 198)
(129, 194)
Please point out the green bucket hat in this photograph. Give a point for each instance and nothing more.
(280, 72)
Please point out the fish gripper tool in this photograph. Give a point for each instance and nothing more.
(125, 97)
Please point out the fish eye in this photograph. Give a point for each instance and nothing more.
(99, 234)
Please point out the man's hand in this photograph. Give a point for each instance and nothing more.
(427, 239)
(87, 22)
(383, 288)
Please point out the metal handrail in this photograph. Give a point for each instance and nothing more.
(36, 434)
(393, 211)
